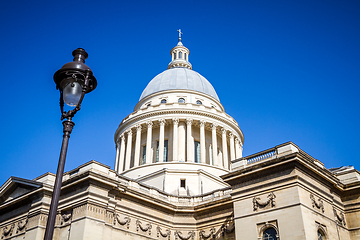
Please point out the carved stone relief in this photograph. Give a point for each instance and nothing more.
(258, 203)
(65, 217)
(144, 229)
(21, 225)
(339, 218)
(318, 204)
(204, 235)
(126, 220)
(226, 229)
(178, 235)
(165, 234)
(7, 231)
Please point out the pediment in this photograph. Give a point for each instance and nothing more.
(15, 187)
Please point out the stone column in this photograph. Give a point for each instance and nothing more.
(182, 142)
(161, 140)
(128, 149)
(175, 139)
(189, 141)
(232, 146)
(148, 142)
(117, 156)
(122, 153)
(225, 161)
(237, 148)
(214, 144)
(202, 142)
(137, 146)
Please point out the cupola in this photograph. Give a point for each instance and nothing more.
(179, 55)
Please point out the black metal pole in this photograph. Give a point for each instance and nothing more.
(49, 231)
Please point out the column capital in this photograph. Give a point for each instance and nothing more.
(175, 121)
(122, 137)
(189, 121)
(202, 123)
(149, 124)
(237, 140)
(138, 127)
(129, 132)
(162, 121)
(231, 135)
(223, 130)
(214, 126)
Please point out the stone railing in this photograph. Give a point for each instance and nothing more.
(280, 150)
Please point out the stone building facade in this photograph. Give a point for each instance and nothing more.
(179, 174)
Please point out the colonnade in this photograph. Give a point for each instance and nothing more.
(181, 138)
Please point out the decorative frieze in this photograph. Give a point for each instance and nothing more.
(8, 231)
(210, 234)
(125, 222)
(21, 225)
(65, 217)
(147, 227)
(165, 234)
(318, 204)
(258, 203)
(178, 235)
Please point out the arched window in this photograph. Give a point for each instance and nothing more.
(321, 234)
(163, 100)
(269, 234)
(185, 56)
(174, 55)
(198, 102)
(180, 54)
(181, 100)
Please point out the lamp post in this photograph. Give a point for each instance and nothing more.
(73, 80)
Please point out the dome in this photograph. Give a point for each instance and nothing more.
(179, 78)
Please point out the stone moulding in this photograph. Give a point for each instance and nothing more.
(178, 235)
(167, 233)
(144, 229)
(211, 234)
(339, 218)
(257, 203)
(21, 225)
(319, 205)
(7, 231)
(126, 220)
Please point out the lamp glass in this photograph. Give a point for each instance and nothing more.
(72, 93)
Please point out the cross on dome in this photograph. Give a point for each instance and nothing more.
(180, 33)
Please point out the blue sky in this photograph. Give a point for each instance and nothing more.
(285, 70)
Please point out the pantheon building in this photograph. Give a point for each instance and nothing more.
(179, 174)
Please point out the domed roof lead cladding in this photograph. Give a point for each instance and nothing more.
(179, 78)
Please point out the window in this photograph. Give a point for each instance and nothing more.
(144, 155)
(197, 151)
(180, 54)
(269, 234)
(181, 100)
(165, 151)
(183, 183)
(198, 102)
(321, 235)
(163, 100)
(185, 56)
(174, 55)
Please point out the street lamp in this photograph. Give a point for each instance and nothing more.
(73, 80)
